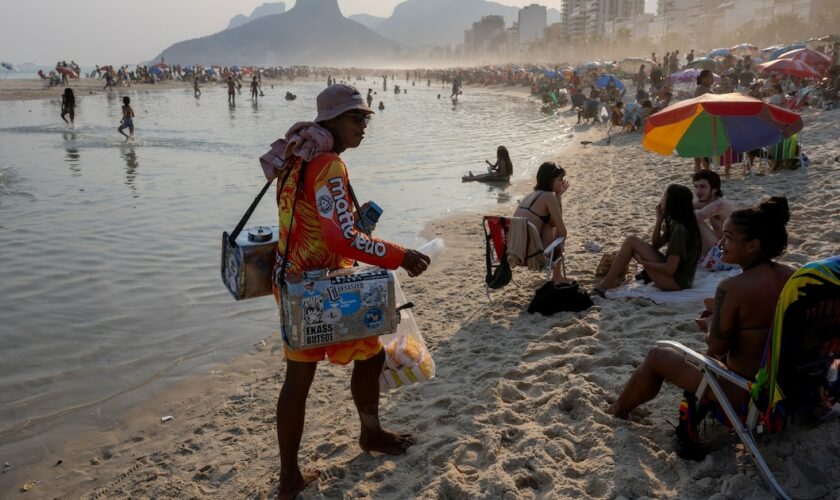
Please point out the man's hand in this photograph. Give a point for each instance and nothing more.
(415, 262)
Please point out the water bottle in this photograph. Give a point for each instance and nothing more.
(433, 249)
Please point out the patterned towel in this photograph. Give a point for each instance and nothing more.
(304, 139)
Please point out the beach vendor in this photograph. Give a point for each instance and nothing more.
(324, 236)
(738, 319)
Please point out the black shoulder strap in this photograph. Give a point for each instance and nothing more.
(244, 219)
(282, 276)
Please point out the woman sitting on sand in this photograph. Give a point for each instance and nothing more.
(503, 166)
(738, 320)
(675, 225)
(544, 208)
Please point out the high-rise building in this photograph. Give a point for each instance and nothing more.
(485, 35)
(533, 20)
(585, 19)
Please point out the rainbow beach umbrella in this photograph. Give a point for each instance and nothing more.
(712, 123)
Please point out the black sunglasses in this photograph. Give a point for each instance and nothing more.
(360, 118)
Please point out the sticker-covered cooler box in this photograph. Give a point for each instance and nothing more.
(328, 307)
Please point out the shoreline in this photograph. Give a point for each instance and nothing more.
(518, 405)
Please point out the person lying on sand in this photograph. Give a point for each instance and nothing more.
(544, 209)
(675, 225)
(737, 321)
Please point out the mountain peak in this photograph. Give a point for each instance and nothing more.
(317, 7)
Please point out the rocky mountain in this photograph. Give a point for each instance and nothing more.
(314, 32)
(371, 22)
(266, 9)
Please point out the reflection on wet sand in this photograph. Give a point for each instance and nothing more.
(72, 156)
(129, 155)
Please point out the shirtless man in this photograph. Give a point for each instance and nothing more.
(231, 85)
(710, 207)
(738, 319)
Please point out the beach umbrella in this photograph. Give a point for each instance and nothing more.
(787, 48)
(702, 63)
(8, 66)
(604, 80)
(689, 75)
(722, 52)
(712, 123)
(792, 67)
(743, 49)
(632, 64)
(592, 65)
(156, 70)
(817, 60)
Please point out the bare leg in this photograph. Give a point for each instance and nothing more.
(661, 363)
(696, 165)
(291, 410)
(631, 246)
(120, 130)
(365, 388)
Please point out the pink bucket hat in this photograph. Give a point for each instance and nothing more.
(337, 99)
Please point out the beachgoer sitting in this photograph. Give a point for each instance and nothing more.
(675, 269)
(616, 116)
(503, 166)
(544, 208)
(737, 321)
(711, 210)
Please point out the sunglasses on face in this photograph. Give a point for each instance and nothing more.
(360, 118)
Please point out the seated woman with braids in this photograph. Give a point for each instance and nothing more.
(496, 172)
(738, 320)
(675, 225)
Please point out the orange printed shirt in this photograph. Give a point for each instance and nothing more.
(324, 234)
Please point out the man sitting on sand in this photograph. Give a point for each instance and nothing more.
(322, 238)
(739, 318)
(711, 209)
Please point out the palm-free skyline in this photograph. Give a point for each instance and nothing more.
(125, 32)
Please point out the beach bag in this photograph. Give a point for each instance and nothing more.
(501, 276)
(555, 297)
(407, 359)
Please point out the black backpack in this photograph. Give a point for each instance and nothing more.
(555, 297)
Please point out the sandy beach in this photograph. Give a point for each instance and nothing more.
(518, 407)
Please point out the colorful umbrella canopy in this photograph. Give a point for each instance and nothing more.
(712, 123)
(604, 81)
(689, 75)
(817, 60)
(722, 52)
(743, 49)
(632, 64)
(703, 63)
(792, 67)
(787, 48)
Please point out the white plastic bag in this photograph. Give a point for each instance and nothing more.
(407, 360)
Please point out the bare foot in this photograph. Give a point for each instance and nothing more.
(382, 441)
(290, 488)
(623, 415)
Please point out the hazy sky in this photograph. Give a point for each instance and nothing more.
(129, 31)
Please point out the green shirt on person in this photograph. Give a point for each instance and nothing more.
(687, 247)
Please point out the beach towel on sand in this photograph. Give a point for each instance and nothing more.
(525, 245)
(705, 284)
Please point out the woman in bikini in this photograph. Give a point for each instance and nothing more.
(543, 207)
(738, 320)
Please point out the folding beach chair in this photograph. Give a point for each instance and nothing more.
(497, 237)
(800, 365)
(785, 154)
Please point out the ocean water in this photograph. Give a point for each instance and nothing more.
(109, 277)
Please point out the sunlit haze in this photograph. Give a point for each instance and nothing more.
(127, 32)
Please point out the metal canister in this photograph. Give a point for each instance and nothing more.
(329, 307)
(247, 264)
